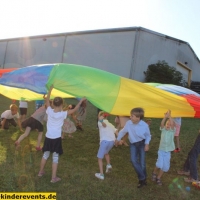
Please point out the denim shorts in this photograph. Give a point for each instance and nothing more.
(163, 161)
(105, 147)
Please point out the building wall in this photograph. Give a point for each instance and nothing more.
(125, 52)
(107, 51)
(152, 47)
(110, 51)
(26, 52)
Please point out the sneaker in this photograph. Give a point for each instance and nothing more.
(181, 172)
(141, 183)
(100, 176)
(177, 150)
(108, 168)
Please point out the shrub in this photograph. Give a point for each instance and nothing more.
(161, 72)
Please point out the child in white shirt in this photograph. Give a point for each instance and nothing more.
(53, 143)
(107, 139)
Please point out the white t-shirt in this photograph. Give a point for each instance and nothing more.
(8, 115)
(106, 133)
(54, 123)
(23, 104)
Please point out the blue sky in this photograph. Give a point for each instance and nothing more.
(175, 18)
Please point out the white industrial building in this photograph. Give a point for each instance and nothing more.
(124, 51)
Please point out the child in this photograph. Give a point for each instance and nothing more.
(23, 106)
(139, 137)
(69, 126)
(107, 140)
(166, 146)
(178, 127)
(35, 122)
(81, 115)
(53, 141)
(8, 117)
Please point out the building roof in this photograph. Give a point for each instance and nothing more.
(106, 31)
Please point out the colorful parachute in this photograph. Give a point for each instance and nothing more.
(114, 94)
(27, 83)
(2, 71)
(193, 98)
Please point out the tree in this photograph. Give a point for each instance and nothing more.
(161, 72)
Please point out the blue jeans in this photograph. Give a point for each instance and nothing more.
(138, 159)
(191, 161)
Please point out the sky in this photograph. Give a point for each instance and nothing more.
(175, 18)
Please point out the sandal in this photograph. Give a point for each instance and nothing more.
(153, 177)
(158, 181)
(40, 174)
(56, 179)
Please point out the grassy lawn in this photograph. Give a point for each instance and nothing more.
(78, 164)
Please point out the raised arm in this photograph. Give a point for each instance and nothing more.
(172, 123)
(166, 115)
(48, 96)
(77, 106)
(101, 121)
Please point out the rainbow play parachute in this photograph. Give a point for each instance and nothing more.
(109, 92)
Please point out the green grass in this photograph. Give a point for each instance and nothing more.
(78, 164)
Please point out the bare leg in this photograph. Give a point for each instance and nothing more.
(177, 142)
(39, 138)
(155, 170)
(107, 157)
(55, 158)
(80, 125)
(42, 165)
(54, 170)
(26, 133)
(63, 135)
(80, 122)
(125, 139)
(100, 161)
(160, 173)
